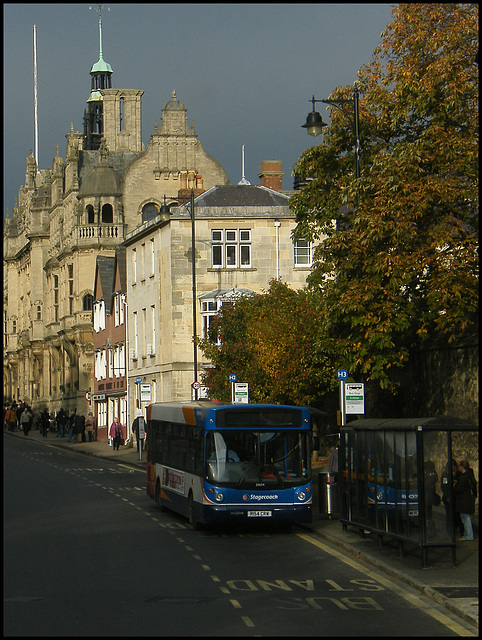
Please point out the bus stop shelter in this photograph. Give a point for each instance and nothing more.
(395, 478)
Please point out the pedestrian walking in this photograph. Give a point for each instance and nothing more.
(44, 422)
(464, 499)
(71, 425)
(79, 427)
(138, 428)
(116, 432)
(61, 420)
(19, 412)
(26, 421)
(11, 417)
(89, 426)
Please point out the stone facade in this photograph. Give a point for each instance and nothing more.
(68, 215)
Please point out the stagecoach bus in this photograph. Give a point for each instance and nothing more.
(215, 462)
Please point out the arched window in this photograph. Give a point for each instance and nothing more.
(107, 213)
(121, 114)
(90, 214)
(149, 211)
(87, 302)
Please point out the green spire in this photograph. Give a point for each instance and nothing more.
(101, 66)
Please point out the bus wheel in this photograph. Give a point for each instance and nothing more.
(158, 496)
(190, 512)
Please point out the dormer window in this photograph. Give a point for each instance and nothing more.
(149, 211)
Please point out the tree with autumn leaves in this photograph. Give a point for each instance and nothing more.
(268, 341)
(396, 264)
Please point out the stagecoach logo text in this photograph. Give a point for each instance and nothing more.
(272, 496)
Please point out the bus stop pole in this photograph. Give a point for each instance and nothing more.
(342, 402)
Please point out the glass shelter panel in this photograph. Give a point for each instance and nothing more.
(437, 486)
(379, 486)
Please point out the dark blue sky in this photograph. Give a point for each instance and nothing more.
(245, 72)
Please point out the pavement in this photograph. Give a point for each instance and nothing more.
(456, 588)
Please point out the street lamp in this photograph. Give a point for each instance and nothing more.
(190, 207)
(314, 123)
(194, 301)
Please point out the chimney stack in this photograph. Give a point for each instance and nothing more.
(270, 174)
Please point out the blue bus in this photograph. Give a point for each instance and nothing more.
(217, 462)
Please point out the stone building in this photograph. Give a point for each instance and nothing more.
(82, 207)
(242, 241)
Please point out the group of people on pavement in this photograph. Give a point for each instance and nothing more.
(80, 428)
(464, 491)
(76, 427)
(18, 417)
(117, 433)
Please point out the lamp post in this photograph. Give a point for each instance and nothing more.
(314, 123)
(126, 360)
(193, 261)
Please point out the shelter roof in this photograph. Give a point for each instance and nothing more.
(437, 423)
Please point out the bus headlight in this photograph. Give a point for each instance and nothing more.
(301, 496)
(219, 497)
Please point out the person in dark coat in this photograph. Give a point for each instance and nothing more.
(135, 428)
(20, 410)
(71, 425)
(44, 422)
(79, 426)
(452, 519)
(61, 420)
(464, 499)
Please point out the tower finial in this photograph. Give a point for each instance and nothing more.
(243, 179)
(99, 11)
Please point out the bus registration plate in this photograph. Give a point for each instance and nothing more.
(259, 514)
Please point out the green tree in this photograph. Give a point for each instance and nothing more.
(268, 341)
(397, 260)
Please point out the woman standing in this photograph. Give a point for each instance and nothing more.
(89, 426)
(116, 432)
(464, 500)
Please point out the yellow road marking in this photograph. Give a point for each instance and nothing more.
(432, 611)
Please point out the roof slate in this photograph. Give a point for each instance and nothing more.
(106, 270)
(238, 195)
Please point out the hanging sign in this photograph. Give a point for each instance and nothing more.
(145, 393)
(241, 393)
(355, 397)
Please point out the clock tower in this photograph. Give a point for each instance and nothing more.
(101, 75)
(113, 114)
